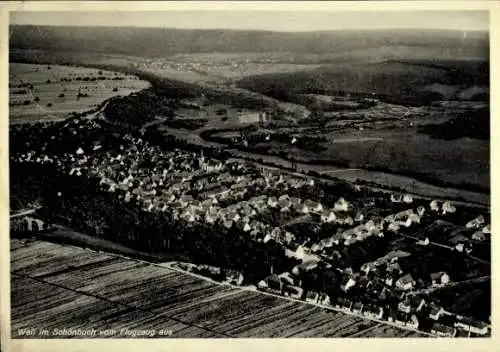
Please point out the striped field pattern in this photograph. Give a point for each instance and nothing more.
(56, 286)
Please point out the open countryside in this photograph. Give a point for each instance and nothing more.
(54, 92)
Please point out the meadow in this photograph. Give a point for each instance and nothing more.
(458, 161)
(53, 92)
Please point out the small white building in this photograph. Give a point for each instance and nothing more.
(434, 205)
(341, 205)
(408, 199)
(440, 278)
(405, 282)
(448, 208)
(347, 283)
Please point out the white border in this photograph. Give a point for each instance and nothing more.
(208, 345)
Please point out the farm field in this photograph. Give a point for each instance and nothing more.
(52, 92)
(55, 286)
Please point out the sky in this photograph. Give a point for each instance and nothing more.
(286, 21)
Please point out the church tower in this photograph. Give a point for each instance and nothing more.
(201, 160)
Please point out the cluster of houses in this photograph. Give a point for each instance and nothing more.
(384, 277)
(408, 313)
(27, 224)
(389, 281)
(196, 189)
(229, 276)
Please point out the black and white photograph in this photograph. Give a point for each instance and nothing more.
(249, 173)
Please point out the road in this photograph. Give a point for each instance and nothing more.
(303, 218)
(414, 187)
(157, 121)
(24, 212)
(445, 246)
(450, 285)
(171, 266)
(340, 170)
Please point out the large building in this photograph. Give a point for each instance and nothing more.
(247, 116)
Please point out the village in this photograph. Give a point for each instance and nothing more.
(370, 247)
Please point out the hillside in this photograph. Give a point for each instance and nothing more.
(475, 124)
(412, 79)
(165, 42)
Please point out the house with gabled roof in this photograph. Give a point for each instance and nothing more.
(471, 325)
(357, 307)
(413, 322)
(341, 205)
(420, 211)
(373, 311)
(487, 229)
(404, 306)
(478, 236)
(314, 207)
(327, 242)
(407, 198)
(390, 218)
(476, 222)
(367, 267)
(448, 208)
(346, 304)
(434, 205)
(272, 202)
(305, 267)
(312, 296)
(347, 282)
(393, 226)
(301, 208)
(443, 330)
(435, 312)
(440, 278)
(396, 198)
(272, 283)
(328, 216)
(405, 282)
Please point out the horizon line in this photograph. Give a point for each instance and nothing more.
(255, 29)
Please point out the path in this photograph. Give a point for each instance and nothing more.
(341, 170)
(450, 285)
(302, 218)
(24, 212)
(445, 246)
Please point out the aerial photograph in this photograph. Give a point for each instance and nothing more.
(249, 174)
